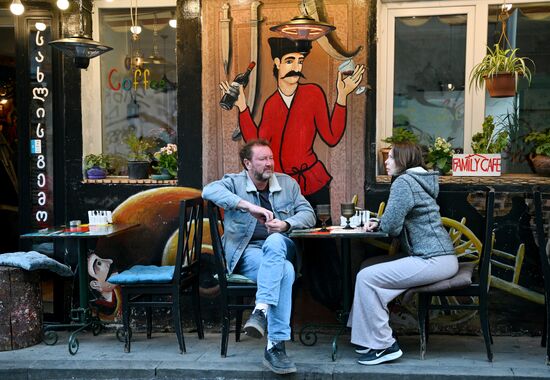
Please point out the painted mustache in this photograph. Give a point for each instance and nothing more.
(293, 73)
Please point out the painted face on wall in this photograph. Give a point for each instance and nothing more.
(99, 269)
(260, 166)
(391, 168)
(290, 67)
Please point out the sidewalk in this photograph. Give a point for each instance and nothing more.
(102, 357)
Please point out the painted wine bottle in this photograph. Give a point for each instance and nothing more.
(230, 97)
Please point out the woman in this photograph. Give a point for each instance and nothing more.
(412, 214)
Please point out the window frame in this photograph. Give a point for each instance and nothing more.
(92, 128)
(476, 42)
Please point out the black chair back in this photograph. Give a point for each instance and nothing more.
(189, 238)
(216, 223)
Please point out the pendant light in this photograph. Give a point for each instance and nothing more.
(17, 8)
(81, 47)
(303, 28)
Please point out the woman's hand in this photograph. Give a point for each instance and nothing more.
(372, 225)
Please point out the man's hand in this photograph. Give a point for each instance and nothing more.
(345, 86)
(241, 100)
(263, 215)
(276, 225)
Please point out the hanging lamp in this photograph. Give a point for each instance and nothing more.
(303, 28)
(81, 47)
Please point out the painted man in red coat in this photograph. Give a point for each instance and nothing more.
(292, 118)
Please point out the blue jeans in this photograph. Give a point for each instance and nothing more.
(268, 263)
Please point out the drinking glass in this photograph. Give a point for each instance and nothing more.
(347, 210)
(323, 213)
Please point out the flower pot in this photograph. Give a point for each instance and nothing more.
(95, 173)
(162, 176)
(138, 169)
(501, 85)
(541, 164)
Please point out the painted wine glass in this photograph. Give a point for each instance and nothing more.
(347, 210)
(323, 213)
(346, 68)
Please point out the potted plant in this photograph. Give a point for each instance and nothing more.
(138, 160)
(489, 141)
(540, 156)
(97, 165)
(399, 135)
(440, 155)
(167, 162)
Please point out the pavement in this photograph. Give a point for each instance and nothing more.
(103, 357)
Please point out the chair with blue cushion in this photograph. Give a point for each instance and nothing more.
(162, 286)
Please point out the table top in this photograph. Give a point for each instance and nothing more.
(83, 231)
(335, 232)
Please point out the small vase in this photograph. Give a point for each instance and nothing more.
(95, 173)
(164, 175)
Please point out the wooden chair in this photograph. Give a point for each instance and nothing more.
(153, 286)
(234, 288)
(541, 239)
(470, 252)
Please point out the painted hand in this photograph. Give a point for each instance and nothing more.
(241, 100)
(345, 86)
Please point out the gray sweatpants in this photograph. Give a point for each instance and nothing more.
(378, 284)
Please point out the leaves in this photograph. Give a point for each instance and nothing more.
(400, 135)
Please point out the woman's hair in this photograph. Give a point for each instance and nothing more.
(407, 155)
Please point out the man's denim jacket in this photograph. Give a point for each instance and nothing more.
(286, 200)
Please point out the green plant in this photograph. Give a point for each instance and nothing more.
(400, 135)
(167, 158)
(440, 155)
(499, 61)
(102, 161)
(541, 141)
(517, 128)
(138, 147)
(488, 141)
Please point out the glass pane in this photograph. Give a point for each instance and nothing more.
(429, 76)
(528, 29)
(138, 81)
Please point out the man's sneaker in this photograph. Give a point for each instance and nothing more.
(276, 360)
(256, 324)
(362, 350)
(381, 356)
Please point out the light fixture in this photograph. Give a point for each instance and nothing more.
(135, 29)
(40, 26)
(173, 23)
(81, 46)
(4, 101)
(303, 28)
(17, 8)
(63, 4)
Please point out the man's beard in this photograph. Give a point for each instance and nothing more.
(266, 175)
(293, 73)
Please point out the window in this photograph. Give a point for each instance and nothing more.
(426, 51)
(134, 86)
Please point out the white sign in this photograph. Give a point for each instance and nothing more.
(473, 165)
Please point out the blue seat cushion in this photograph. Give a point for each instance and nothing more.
(140, 274)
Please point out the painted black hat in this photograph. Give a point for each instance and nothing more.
(283, 46)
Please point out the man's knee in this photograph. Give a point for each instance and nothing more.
(276, 242)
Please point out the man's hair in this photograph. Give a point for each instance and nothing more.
(246, 150)
(407, 155)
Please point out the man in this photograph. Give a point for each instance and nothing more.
(292, 117)
(260, 208)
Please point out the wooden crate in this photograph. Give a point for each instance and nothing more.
(20, 308)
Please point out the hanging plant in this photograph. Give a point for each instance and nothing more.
(501, 68)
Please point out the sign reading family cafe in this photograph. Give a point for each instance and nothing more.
(470, 165)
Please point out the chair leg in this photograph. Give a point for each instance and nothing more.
(197, 308)
(177, 320)
(546, 331)
(149, 318)
(238, 325)
(225, 332)
(423, 301)
(484, 321)
(126, 319)
(544, 328)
